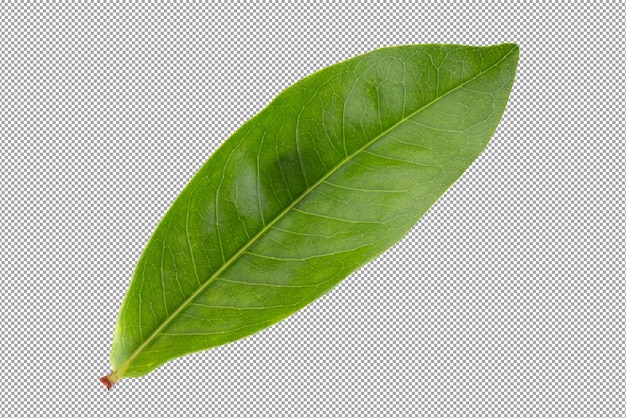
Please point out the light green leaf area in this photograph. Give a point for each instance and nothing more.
(328, 176)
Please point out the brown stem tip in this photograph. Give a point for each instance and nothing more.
(106, 381)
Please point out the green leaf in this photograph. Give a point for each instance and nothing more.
(328, 176)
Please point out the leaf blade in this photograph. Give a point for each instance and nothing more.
(334, 171)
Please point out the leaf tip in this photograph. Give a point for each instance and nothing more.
(513, 47)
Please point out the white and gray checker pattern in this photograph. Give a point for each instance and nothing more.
(506, 300)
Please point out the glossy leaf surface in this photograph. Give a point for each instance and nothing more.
(328, 176)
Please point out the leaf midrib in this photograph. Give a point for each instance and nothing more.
(154, 335)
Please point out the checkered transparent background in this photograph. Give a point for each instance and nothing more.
(506, 300)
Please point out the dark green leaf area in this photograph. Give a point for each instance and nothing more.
(332, 173)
